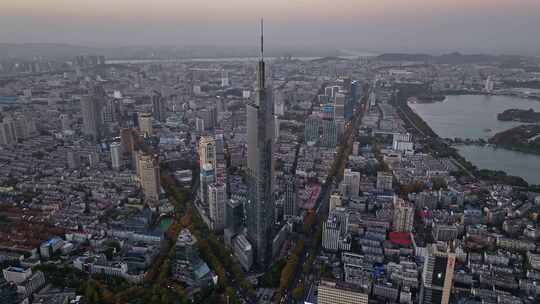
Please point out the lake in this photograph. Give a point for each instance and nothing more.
(470, 116)
(515, 163)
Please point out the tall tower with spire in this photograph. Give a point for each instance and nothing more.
(260, 131)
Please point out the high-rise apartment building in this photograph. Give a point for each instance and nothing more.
(159, 109)
(207, 150)
(335, 235)
(224, 79)
(91, 111)
(403, 216)
(330, 134)
(217, 200)
(260, 132)
(311, 129)
(145, 124)
(127, 140)
(149, 176)
(8, 137)
(243, 251)
(206, 178)
(234, 214)
(290, 208)
(110, 111)
(339, 107)
(352, 180)
(116, 155)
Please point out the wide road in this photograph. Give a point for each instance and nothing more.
(322, 205)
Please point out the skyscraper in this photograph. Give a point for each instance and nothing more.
(224, 79)
(339, 107)
(8, 136)
(206, 177)
(149, 176)
(290, 208)
(91, 112)
(437, 276)
(329, 136)
(110, 111)
(207, 151)
(116, 155)
(260, 206)
(217, 197)
(127, 139)
(234, 214)
(352, 180)
(311, 129)
(158, 107)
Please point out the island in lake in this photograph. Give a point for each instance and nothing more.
(525, 138)
(528, 116)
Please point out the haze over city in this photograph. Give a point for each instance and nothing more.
(269, 152)
(491, 26)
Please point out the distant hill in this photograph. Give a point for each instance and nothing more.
(329, 58)
(451, 58)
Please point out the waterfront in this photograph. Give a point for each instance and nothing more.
(469, 116)
(515, 163)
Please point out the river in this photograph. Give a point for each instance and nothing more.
(475, 116)
(223, 59)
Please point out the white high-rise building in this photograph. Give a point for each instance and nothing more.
(403, 216)
(335, 235)
(217, 200)
(243, 251)
(279, 104)
(352, 180)
(224, 79)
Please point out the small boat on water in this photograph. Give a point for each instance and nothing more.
(487, 130)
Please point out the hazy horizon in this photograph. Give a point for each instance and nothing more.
(473, 26)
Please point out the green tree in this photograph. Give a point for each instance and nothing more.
(298, 292)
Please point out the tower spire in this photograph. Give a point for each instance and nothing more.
(262, 39)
